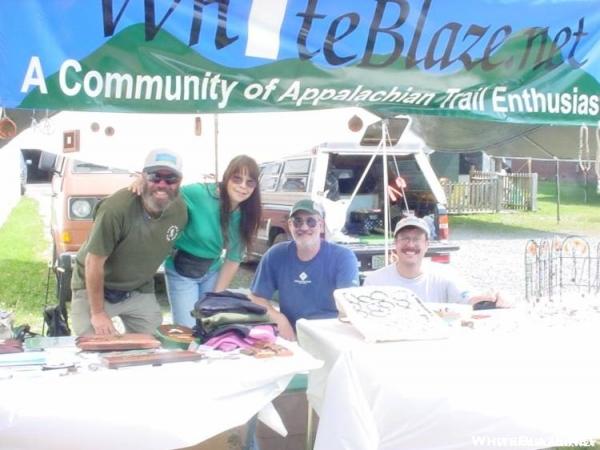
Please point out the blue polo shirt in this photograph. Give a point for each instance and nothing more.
(305, 287)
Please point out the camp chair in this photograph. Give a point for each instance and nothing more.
(55, 316)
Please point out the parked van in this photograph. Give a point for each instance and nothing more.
(348, 180)
(77, 187)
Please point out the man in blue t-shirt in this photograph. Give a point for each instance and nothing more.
(304, 271)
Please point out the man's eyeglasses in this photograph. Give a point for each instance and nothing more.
(250, 183)
(155, 177)
(311, 222)
(407, 239)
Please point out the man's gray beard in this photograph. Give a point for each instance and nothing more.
(154, 205)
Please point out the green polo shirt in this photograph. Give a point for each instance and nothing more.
(202, 236)
(135, 243)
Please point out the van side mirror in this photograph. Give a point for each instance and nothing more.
(47, 162)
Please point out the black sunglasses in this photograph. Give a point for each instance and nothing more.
(249, 182)
(155, 177)
(299, 221)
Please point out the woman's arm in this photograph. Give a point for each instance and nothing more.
(226, 274)
(137, 184)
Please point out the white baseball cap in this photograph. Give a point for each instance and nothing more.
(163, 159)
(412, 221)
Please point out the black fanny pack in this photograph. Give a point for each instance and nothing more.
(115, 295)
(191, 266)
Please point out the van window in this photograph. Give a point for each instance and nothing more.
(295, 176)
(87, 167)
(269, 176)
(353, 167)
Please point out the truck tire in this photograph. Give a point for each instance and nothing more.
(63, 287)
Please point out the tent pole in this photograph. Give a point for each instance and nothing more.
(386, 196)
(216, 147)
(557, 189)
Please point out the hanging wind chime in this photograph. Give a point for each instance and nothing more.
(585, 157)
(8, 129)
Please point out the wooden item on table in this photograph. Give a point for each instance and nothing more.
(267, 350)
(11, 346)
(154, 359)
(127, 341)
(175, 336)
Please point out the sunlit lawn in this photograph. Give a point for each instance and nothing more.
(24, 265)
(575, 216)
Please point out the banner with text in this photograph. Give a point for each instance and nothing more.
(533, 61)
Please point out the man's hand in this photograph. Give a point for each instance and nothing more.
(503, 301)
(493, 296)
(103, 324)
(284, 326)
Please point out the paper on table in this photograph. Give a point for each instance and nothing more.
(37, 343)
(387, 313)
(22, 359)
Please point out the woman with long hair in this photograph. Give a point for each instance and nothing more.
(223, 219)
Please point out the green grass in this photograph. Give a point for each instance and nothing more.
(24, 265)
(576, 216)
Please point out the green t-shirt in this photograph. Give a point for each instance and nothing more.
(135, 243)
(202, 236)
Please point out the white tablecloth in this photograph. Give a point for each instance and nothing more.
(172, 406)
(518, 389)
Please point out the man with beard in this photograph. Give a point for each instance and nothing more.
(304, 271)
(131, 236)
(430, 282)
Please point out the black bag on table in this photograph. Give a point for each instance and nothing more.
(57, 321)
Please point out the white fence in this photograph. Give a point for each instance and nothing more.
(492, 192)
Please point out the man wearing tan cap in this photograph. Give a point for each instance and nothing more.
(130, 238)
(431, 282)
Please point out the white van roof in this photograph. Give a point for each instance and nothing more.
(405, 142)
(404, 148)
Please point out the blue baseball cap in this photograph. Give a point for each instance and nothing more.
(163, 159)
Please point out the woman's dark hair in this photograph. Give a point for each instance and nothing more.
(250, 208)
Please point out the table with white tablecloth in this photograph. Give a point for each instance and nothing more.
(523, 387)
(166, 407)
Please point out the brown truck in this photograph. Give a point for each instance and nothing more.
(77, 187)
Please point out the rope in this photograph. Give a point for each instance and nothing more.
(46, 298)
(584, 149)
(597, 162)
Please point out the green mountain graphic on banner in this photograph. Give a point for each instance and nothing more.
(164, 75)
